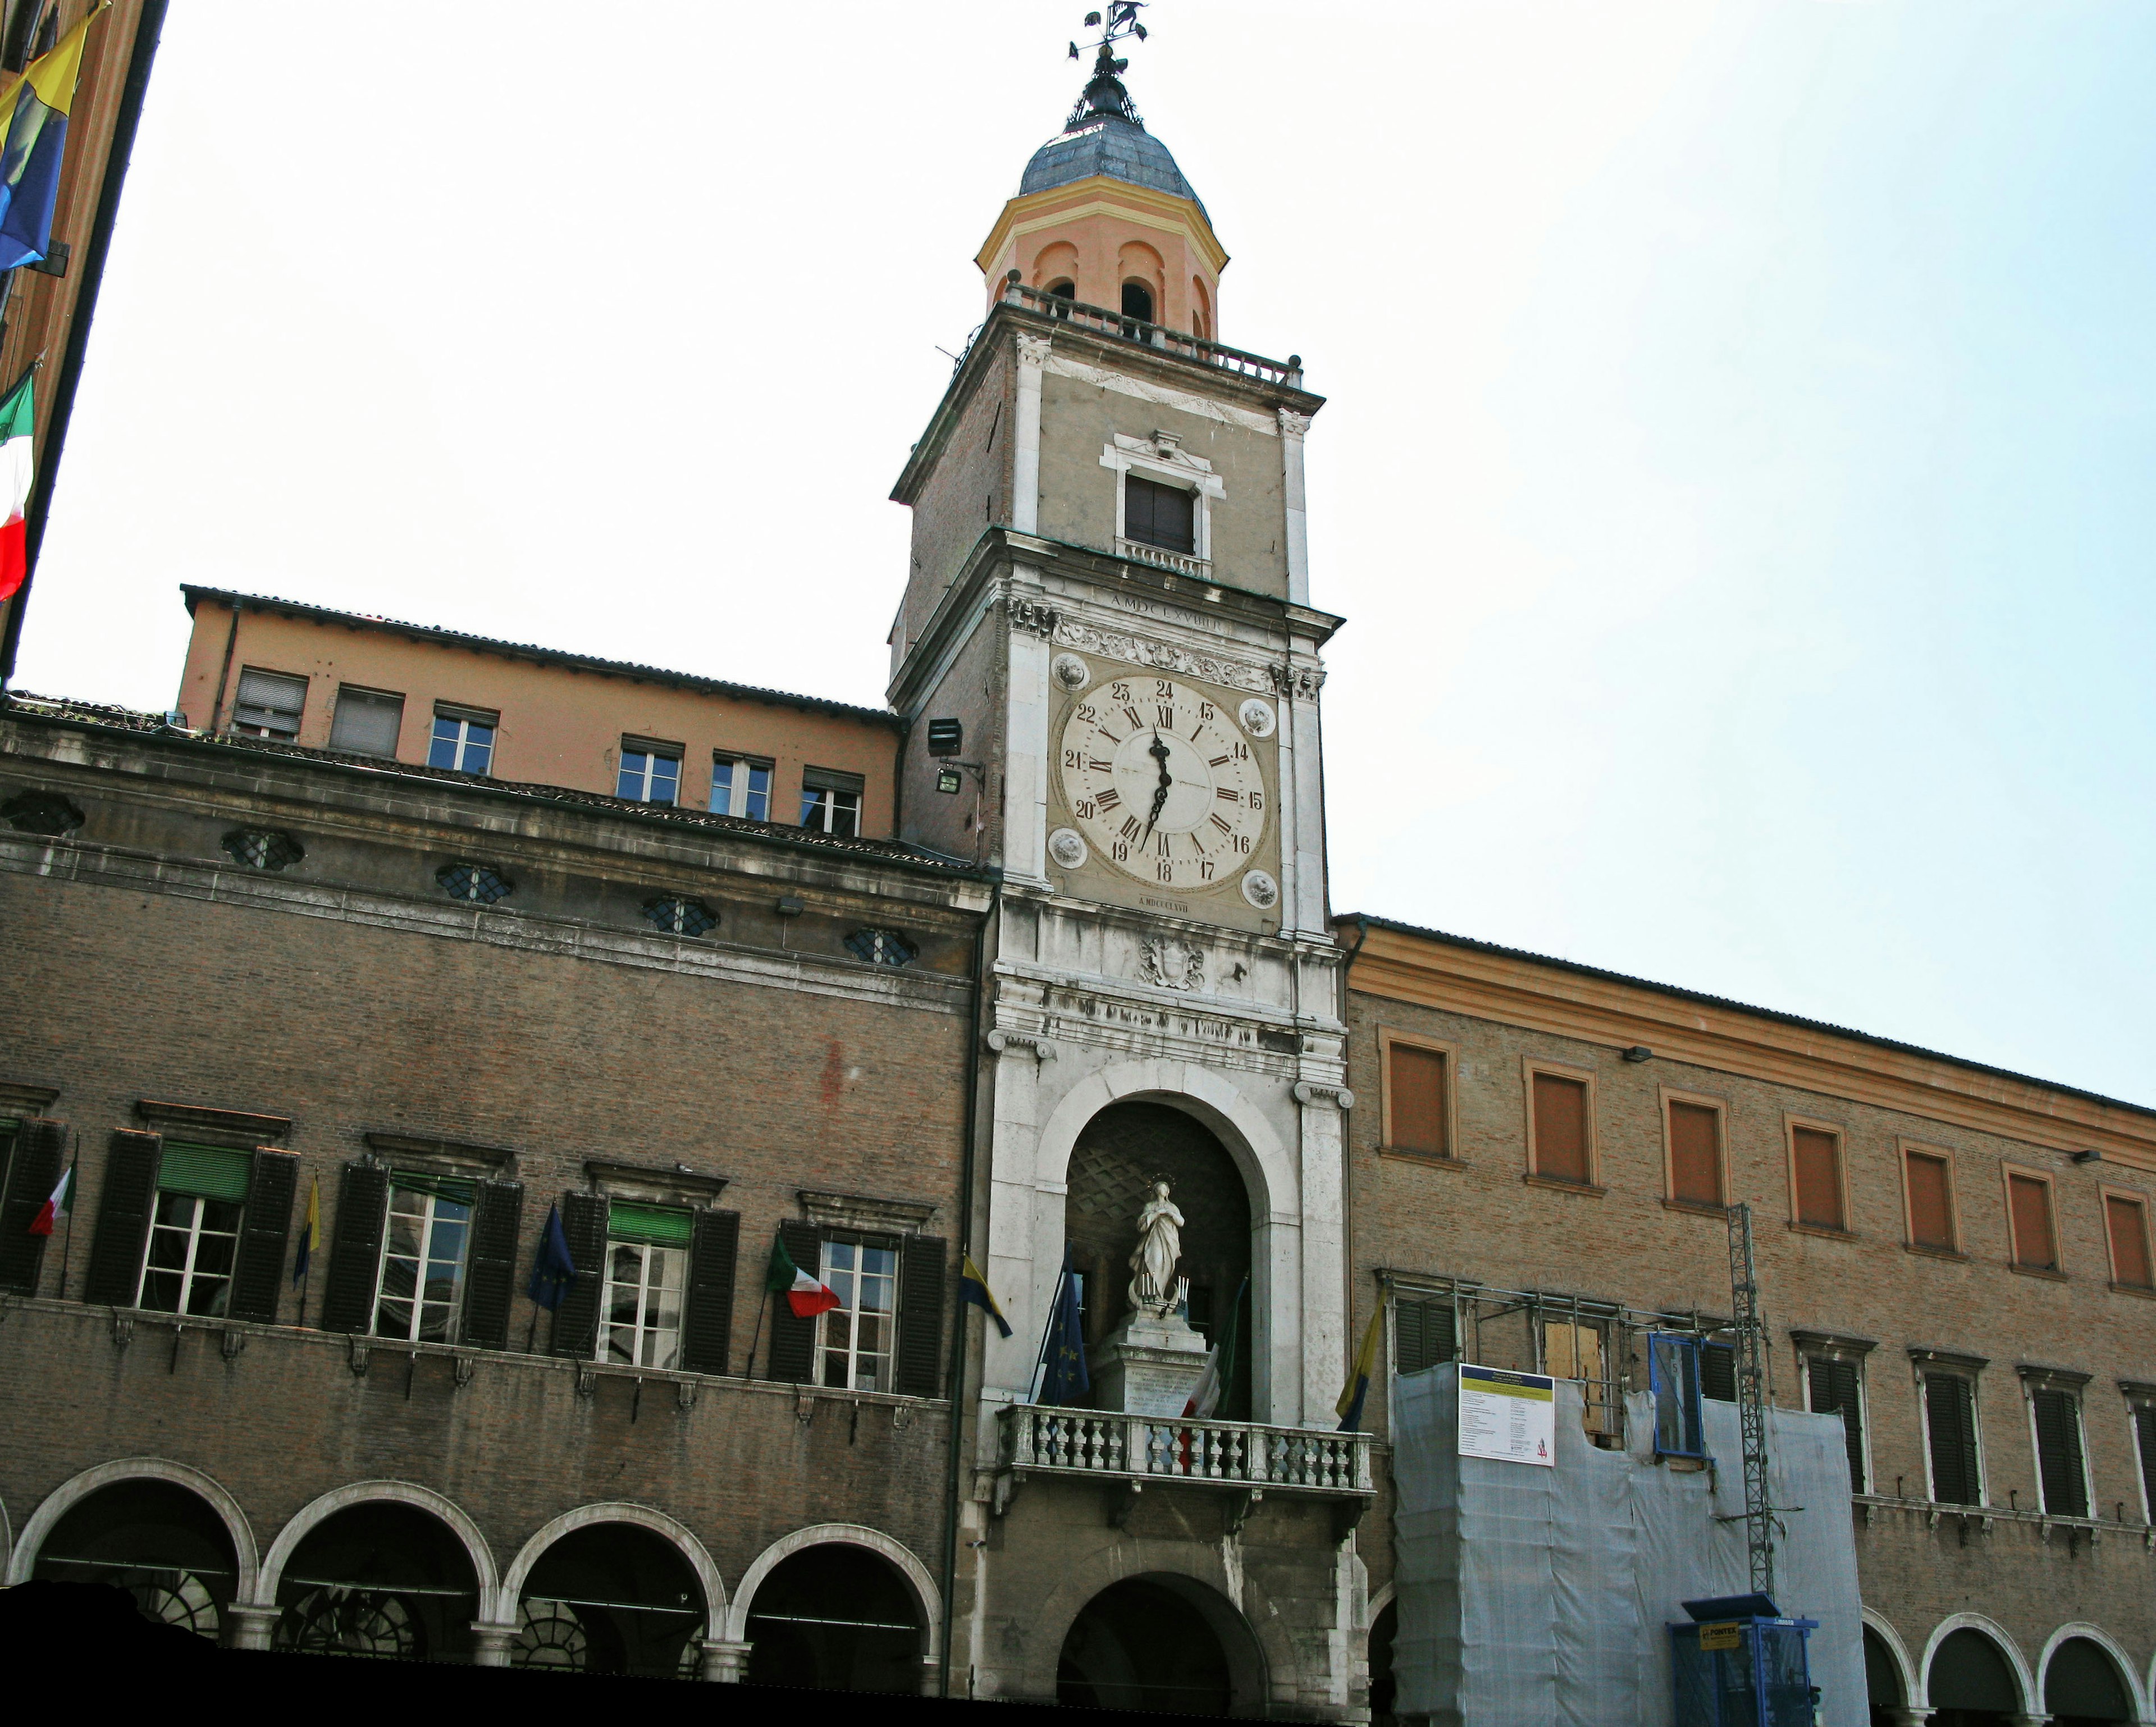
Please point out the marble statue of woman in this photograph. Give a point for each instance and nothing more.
(1160, 1246)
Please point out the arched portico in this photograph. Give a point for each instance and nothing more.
(926, 1597)
(672, 1530)
(1992, 1632)
(23, 1559)
(2130, 1680)
(1881, 1635)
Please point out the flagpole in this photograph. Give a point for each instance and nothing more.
(67, 1247)
(757, 1333)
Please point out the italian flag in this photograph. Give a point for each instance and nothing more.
(14, 487)
(63, 1199)
(804, 1293)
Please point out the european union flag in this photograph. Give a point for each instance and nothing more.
(1067, 1380)
(553, 1272)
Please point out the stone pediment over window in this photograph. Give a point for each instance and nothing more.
(424, 1155)
(238, 1129)
(655, 1183)
(1834, 1343)
(26, 1100)
(861, 1211)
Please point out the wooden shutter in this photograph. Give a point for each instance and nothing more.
(1718, 1372)
(125, 1206)
(2127, 1221)
(2144, 1442)
(2030, 1202)
(922, 1271)
(35, 1169)
(793, 1341)
(1415, 1097)
(707, 1315)
(356, 1248)
(258, 1271)
(576, 1328)
(490, 1263)
(1422, 1334)
(1560, 1127)
(1695, 1154)
(1834, 1391)
(2059, 1453)
(1950, 1412)
(1816, 1158)
(1931, 1200)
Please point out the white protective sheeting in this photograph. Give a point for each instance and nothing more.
(1534, 1597)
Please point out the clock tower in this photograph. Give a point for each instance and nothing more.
(1108, 610)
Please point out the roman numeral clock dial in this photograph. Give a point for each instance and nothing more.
(1163, 782)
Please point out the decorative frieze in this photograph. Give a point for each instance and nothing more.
(1159, 656)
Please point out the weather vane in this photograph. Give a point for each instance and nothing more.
(1122, 20)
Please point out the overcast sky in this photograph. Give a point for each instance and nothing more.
(1738, 476)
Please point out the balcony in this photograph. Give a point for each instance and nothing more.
(1102, 321)
(1181, 563)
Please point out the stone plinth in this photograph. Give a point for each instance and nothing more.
(1149, 1366)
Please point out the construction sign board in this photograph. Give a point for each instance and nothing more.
(1510, 1416)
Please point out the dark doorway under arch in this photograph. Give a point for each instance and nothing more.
(1119, 1156)
(612, 1598)
(163, 1544)
(836, 1617)
(381, 1578)
(1883, 1679)
(1160, 1643)
(1382, 1690)
(1971, 1684)
(2082, 1688)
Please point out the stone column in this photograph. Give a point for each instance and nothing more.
(725, 1663)
(490, 1642)
(1026, 438)
(1907, 1715)
(1293, 427)
(252, 1623)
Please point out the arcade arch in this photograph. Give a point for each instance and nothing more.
(381, 1568)
(613, 1588)
(838, 1607)
(1973, 1676)
(1162, 1643)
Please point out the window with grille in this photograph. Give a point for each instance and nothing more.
(462, 740)
(648, 774)
(366, 721)
(194, 1231)
(647, 1272)
(880, 947)
(1416, 1115)
(1695, 1153)
(1423, 1333)
(479, 883)
(1950, 1432)
(1163, 516)
(1815, 1177)
(2028, 1214)
(831, 802)
(419, 1289)
(1833, 1386)
(269, 704)
(676, 916)
(2125, 1223)
(1561, 1150)
(853, 1339)
(45, 813)
(260, 849)
(1929, 1179)
(2057, 1415)
(741, 786)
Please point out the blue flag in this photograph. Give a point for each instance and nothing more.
(1064, 1350)
(553, 1272)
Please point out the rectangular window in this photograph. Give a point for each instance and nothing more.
(462, 740)
(194, 1231)
(649, 774)
(2058, 1418)
(1928, 1178)
(853, 1339)
(647, 1272)
(2126, 1222)
(269, 704)
(1673, 1382)
(831, 802)
(419, 1291)
(741, 786)
(1950, 1429)
(2029, 1218)
(1422, 1333)
(2144, 1448)
(1836, 1387)
(1815, 1177)
(1695, 1147)
(1417, 1108)
(1560, 1128)
(1718, 1372)
(1164, 515)
(366, 721)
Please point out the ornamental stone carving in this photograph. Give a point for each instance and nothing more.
(1261, 890)
(1257, 717)
(1032, 615)
(1032, 350)
(1304, 681)
(1168, 964)
(1291, 424)
(1071, 672)
(1160, 656)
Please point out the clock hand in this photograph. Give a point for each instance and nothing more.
(1158, 752)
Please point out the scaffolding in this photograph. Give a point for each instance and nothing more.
(1752, 1360)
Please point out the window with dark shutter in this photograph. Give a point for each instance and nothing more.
(1718, 1372)
(32, 1172)
(1422, 1334)
(2126, 1222)
(1695, 1154)
(2030, 1202)
(2059, 1453)
(269, 704)
(490, 1263)
(356, 1248)
(1931, 1200)
(1834, 1391)
(576, 1327)
(2145, 1443)
(707, 1316)
(793, 1340)
(124, 1205)
(1164, 515)
(921, 1275)
(1414, 1099)
(1815, 1167)
(1560, 1127)
(258, 1271)
(1950, 1416)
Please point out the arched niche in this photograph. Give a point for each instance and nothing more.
(1161, 1642)
(1120, 1153)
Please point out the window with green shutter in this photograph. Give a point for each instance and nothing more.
(208, 1172)
(654, 1225)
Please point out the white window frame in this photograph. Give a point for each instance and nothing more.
(419, 1303)
(1973, 1378)
(2137, 1399)
(643, 1329)
(830, 1274)
(2031, 1384)
(735, 773)
(1163, 459)
(195, 1233)
(651, 756)
(464, 720)
(1809, 1352)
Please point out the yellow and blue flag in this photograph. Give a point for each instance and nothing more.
(974, 1287)
(1349, 1408)
(310, 1233)
(35, 109)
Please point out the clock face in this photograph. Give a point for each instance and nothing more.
(1162, 782)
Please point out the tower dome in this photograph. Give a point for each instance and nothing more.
(1104, 135)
